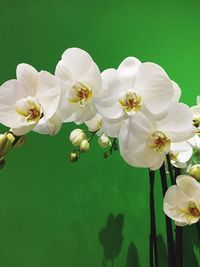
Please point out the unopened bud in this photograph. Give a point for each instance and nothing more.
(77, 136)
(84, 146)
(195, 171)
(73, 156)
(11, 137)
(104, 141)
(5, 144)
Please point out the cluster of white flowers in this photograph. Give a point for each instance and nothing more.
(137, 103)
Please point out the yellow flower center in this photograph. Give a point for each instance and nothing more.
(29, 108)
(81, 94)
(173, 156)
(33, 113)
(192, 211)
(159, 142)
(196, 122)
(131, 102)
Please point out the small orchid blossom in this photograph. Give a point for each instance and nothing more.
(145, 142)
(29, 99)
(135, 87)
(180, 154)
(81, 85)
(182, 201)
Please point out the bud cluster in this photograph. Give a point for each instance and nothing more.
(82, 143)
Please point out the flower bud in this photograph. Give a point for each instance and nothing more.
(5, 144)
(11, 137)
(104, 141)
(84, 146)
(195, 171)
(77, 136)
(73, 156)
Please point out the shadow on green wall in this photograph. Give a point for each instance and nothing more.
(132, 256)
(111, 238)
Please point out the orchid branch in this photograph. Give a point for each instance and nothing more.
(169, 230)
(153, 252)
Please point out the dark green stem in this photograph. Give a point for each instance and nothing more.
(170, 169)
(92, 136)
(113, 145)
(153, 251)
(179, 235)
(169, 229)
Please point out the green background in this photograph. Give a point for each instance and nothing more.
(51, 211)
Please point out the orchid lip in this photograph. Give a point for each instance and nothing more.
(131, 102)
(159, 142)
(82, 94)
(29, 109)
(192, 211)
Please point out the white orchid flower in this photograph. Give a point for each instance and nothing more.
(196, 114)
(134, 87)
(81, 85)
(195, 142)
(177, 92)
(111, 129)
(198, 100)
(50, 127)
(144, 142)
(180, 154)
(29, 99)
(182, 201)
(94, 124)
(100, 125)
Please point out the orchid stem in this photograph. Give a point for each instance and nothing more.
(91, 136)
(110, 151)
(198, 230)
(169, 230)
(179, 234)
(179, 229)
(153, 252)
(113, 144)
(172, 178)
(179, 246)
